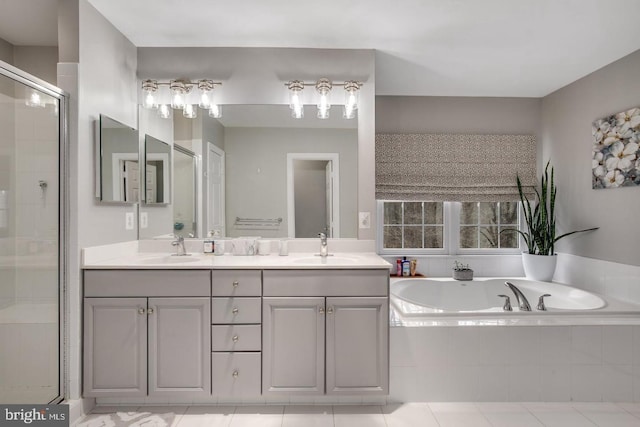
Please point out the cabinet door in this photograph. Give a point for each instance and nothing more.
(179, 346)
(357, 345)
(293, 345)
(115, 347)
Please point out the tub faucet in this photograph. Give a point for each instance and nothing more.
(324, 249)
(179, 244)
(522, 300)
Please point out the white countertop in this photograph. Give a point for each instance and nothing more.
(148, 260)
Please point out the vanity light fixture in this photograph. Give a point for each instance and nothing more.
(178, 97)
(323, 88)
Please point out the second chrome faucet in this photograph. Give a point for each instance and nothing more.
(324, 249)
(523, 303)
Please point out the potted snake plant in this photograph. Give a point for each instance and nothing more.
(539, 261)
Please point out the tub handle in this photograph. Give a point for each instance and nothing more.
(507, 303)
(541, 305)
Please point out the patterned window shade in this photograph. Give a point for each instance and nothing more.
(445, 167)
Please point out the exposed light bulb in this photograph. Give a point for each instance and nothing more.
(178, 94)
(190, 111)
(215, 111)
(164, 111)
(298, 112)
(205, 86)
(149, 88)
(295, 98)
(323, 86)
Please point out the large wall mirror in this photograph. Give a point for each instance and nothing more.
(264, 173)
(117, 162)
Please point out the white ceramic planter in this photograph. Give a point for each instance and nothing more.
(539, 267)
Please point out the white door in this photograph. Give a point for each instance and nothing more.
(329, 197)
(131, 181)
(215, 190)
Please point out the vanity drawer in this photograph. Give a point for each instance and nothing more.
(236, 337)
(236, 283)
(147, 283)
(332, 283)
(236, 310)
(235, 374)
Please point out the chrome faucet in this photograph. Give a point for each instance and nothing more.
(522, 300)
(324, 249)
(179, 244)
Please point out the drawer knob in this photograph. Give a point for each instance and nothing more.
(235, 283)
(235, 310)
(150, 310)
(235, 338)
(321, 310)
(141, 310)
(330, 310)
(235, 374)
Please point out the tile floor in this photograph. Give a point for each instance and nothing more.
(401, 415)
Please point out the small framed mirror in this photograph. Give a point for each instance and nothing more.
(157, 171)
(117, 162)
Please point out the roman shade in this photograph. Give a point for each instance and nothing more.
(449, 167)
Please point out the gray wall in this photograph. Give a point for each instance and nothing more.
(567, 115)
(256, 173)
(108, 85)
(40, 61)
(6, 51)
(439, 114)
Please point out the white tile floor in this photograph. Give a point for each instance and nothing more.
(401, 415)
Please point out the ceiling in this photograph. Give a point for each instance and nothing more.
(525, 48)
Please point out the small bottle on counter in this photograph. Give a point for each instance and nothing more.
(209, 246)
(406, 267)
(399, 267)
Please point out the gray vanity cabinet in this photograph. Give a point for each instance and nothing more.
(325, 332)
(293, 345)
(141, 339)
(115, 346)
(357, 342)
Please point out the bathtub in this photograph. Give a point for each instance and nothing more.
(478, 299)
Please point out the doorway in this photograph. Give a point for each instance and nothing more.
(214, 176)
(313, 194)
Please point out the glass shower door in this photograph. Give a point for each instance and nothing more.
(29, 242)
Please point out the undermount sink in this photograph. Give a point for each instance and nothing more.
(330, 260)
(170, 259)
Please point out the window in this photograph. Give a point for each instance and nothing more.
(448, 227)
(413, 225)
(481, 224)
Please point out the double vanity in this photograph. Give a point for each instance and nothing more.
(235, 326)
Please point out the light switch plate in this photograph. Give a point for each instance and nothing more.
(364, 219)
(144, 219)
(129, 221)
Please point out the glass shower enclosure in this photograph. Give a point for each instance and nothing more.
(32, 143)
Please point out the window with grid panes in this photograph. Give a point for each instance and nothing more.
(481, 224)
(413, 225)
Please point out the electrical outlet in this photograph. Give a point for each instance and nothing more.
(129, 221)
(364, 219)
(144, 220)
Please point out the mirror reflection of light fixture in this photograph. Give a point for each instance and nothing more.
(215, 111)
(174, 94)
(35, 100)
(323, 88)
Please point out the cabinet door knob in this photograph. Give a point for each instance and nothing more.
(235, 310)
(321, 310)
(235, 283)
(141, 310)
(150, 310)
(235, 338)
(330, 310)
(235, 374)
